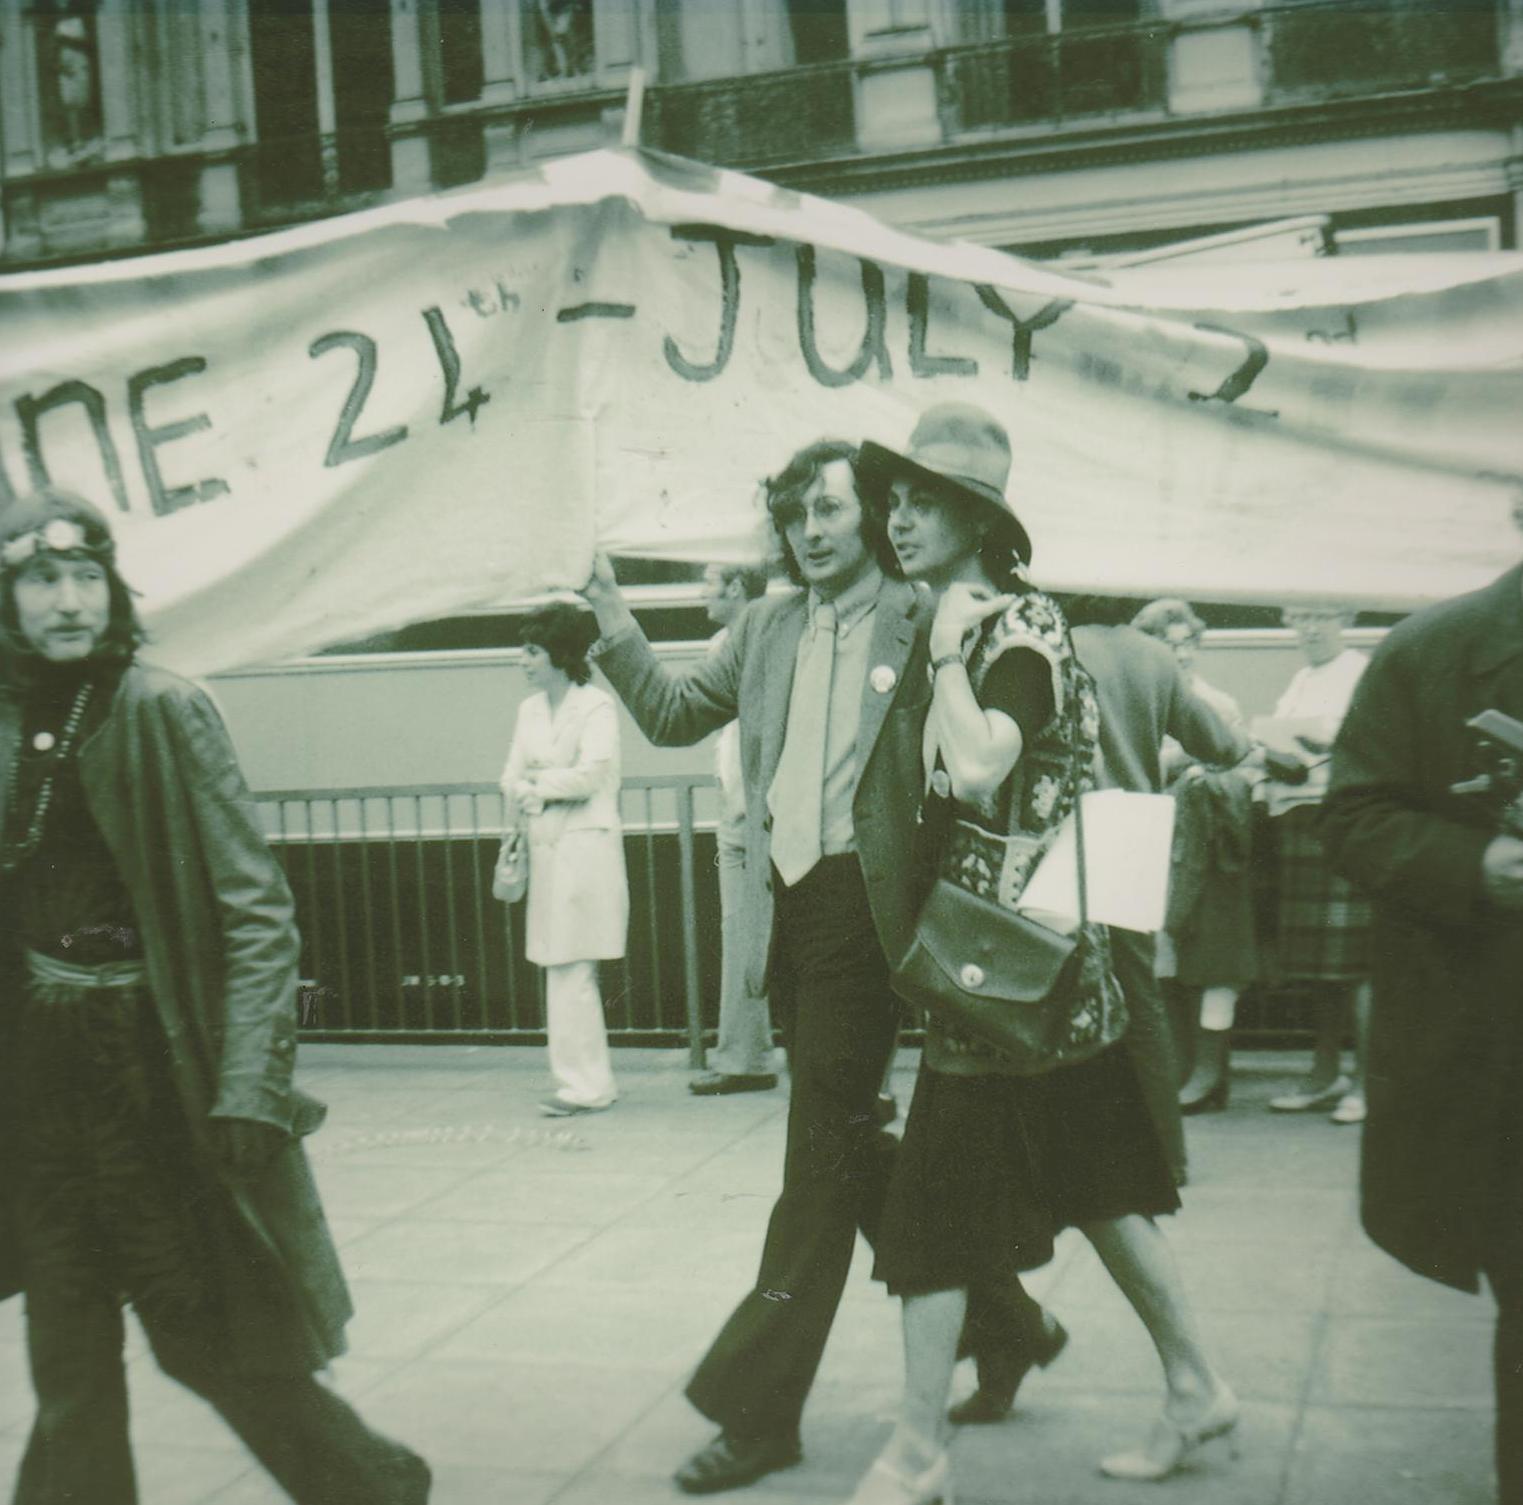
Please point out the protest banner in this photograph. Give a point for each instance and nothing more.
(320, 433)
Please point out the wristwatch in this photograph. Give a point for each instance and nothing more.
(938, 664)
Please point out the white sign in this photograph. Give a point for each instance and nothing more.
(1128, 842)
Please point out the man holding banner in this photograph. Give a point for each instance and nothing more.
(829, 687)
(152, 1135)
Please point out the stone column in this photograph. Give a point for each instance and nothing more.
(500, 84)
(1214, 67)
(1511, 22)
(411, 165)
(219, 206)
(118, 80)
(895, 91)
(19, 116)
(1515, 181)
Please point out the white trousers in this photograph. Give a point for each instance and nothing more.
(578, 1037)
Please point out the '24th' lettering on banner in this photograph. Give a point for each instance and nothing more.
(351, 440)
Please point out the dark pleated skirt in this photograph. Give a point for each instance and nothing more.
(993, 1167)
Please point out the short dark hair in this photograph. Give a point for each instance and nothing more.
(785, 491)
(566, 633)
(752, 577)
(30, 514)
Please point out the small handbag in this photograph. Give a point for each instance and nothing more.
(510, 873)
(986, 971)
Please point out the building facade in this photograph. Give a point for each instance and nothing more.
(1046, 126)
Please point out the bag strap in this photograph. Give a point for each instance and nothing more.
(1075, 728)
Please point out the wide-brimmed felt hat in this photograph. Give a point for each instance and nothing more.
(955, 447)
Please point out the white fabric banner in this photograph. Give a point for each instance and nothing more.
(313, 435)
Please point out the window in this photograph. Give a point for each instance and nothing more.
(68, 72)
(1483, 234)
(1042, 60)
(1324, 49)
(461, 74)
(320, 112)
(559, 41)
(819, 30)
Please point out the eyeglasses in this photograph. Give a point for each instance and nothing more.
(823, 509)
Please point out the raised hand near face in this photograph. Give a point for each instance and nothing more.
(962, 606)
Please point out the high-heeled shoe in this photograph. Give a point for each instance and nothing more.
(1305, 1101)
(1213, 1100)
(883, 1484)
(1173, 1442)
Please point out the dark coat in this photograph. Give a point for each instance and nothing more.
(750, 678)
(163, 785)
(1447, 994)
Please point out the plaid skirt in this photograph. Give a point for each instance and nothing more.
(1323, 923)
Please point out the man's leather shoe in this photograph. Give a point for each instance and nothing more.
(728, 1462)
(414, 1480)
(998, 1380)
(720, 1083)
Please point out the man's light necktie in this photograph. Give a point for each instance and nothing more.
(795, 799)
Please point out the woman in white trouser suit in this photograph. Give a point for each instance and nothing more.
(561, 783)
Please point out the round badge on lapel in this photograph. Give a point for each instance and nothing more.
(883, 679)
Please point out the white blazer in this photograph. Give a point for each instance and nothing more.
(578, 907)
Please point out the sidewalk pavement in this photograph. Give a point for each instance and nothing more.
(532, 1294)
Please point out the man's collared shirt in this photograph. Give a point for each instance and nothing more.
(856, 609)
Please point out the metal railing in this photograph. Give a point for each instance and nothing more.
(401, 937)
(1052, 77)
(1334, 48)
(1307, 49)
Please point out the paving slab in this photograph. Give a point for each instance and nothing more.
(532, 1295)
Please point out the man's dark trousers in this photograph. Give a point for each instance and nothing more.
(830, 990)
(1504, 1274)
(113, 1208)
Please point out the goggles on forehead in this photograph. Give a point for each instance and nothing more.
(60, 536)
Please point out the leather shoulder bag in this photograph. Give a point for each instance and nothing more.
(1042, 998)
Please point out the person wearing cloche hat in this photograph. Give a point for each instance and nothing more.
(994, 1164)
(151, 1133)
(961, 455)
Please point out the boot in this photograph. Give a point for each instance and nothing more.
(1207, 1089)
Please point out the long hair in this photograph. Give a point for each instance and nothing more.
(785, 493)
(124, 632)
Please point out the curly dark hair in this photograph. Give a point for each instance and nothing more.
(124, 632)
(785, 491)
(566, 633)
